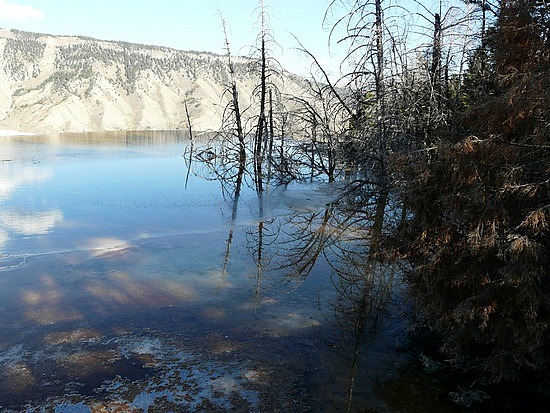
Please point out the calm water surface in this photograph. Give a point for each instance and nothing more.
(129, 284)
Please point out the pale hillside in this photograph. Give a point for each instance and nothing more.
(61, 84)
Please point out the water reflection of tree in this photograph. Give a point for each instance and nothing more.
(234, 209)
(261, 243)
(364, 289)
(344, 235)
(213, 158)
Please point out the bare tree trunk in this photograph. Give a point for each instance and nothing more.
(283, 165)
(258, 155)
(378, 223)
(380, 88)
(379, 30)
(191, 143)
(435, 70)
(259, 263)
(271, 134)
(331, 161)
(238, 121)
(313, 147)
(484, 44)
(235, 100)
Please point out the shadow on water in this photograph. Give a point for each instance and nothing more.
(286, 306)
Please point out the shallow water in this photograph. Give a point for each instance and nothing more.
(128, 284)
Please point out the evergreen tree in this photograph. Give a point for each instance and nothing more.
(479, 232)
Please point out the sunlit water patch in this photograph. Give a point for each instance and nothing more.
(152, 325)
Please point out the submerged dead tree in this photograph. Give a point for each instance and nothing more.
(321, 122)
(264, 130)
(234, 107)
(191, 142)
(366, 31)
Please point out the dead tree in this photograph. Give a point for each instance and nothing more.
(235, 107)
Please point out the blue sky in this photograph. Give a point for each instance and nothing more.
(181, 24)
(189, 24)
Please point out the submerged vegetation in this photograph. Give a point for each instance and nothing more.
(443, 146)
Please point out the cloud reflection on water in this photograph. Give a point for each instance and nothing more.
(31, 223)
(13, 178)
(17, 222)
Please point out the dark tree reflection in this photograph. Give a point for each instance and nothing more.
(338, 243)
(345, 234)
(261, 244)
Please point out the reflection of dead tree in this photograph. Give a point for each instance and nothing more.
(222, 164)
(305, 242)
(364, 284)
(261, 242)
(234, 209)
(372, 300)
(345, 235)
(364, 290)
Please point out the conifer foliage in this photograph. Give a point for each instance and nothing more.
(479, 203)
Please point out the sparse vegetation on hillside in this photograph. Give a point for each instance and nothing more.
(21, 57)
(104, 73)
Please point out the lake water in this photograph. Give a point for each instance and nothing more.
(129, 283)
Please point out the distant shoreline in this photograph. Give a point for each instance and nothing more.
(14, 133)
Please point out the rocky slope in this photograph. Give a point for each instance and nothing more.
(60, 84)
